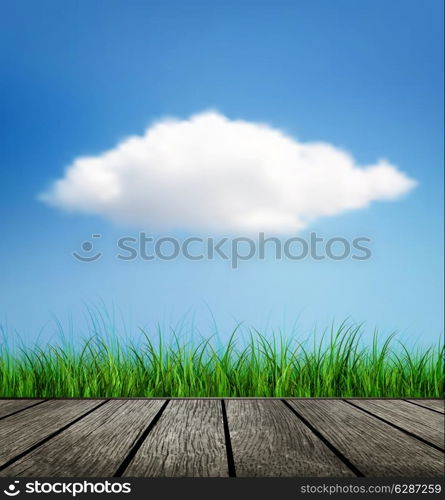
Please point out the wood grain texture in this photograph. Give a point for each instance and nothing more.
(8, 406)
(187, 441)
(374, 447)
(433, 404)
(269, 440)
(420, 421)
(21, 431)
(93, 447)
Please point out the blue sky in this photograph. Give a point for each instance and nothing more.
(78, 77)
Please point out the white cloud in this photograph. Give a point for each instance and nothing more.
(214, 174)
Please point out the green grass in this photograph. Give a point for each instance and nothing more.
(338, 365)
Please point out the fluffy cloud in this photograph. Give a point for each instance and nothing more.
(210, 173)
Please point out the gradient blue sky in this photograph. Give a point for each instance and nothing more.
(78, 76)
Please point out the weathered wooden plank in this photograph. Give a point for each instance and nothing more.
(433, 404)
(187, 441)
(374, 447)
(21, 431)
(422, 422)
(269, 440)
(8, 406)
(93, 447)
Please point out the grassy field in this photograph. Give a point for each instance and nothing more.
(337, 364)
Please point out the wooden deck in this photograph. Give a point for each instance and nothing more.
(221, 438)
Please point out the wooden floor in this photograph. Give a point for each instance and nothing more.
(215, 438)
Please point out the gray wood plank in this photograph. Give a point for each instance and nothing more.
(433, 404)
(374, 447)
(21, 431)
(269, 440)
(8, 406)
(93, 447)
(420, 421)
(187, 441)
